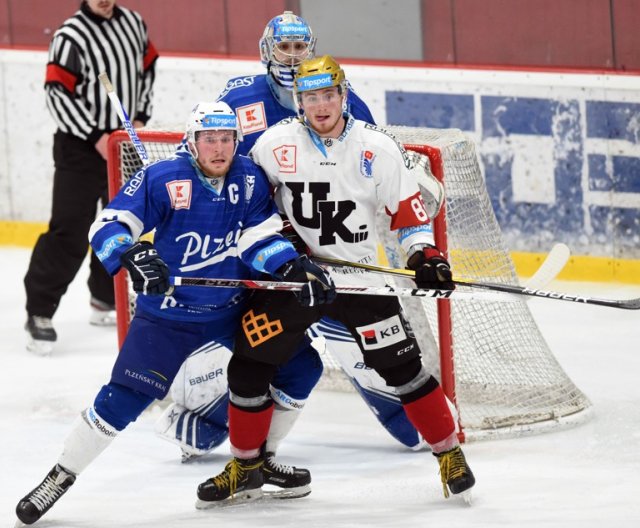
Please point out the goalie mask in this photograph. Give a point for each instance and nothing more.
(211, 116)
(286, 42)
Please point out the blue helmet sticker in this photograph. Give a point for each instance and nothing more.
(219, 121)
(314, 82)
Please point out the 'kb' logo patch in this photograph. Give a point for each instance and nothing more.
(382, 334)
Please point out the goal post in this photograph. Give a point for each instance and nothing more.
(491, 358)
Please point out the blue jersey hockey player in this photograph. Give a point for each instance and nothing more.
(213, 217)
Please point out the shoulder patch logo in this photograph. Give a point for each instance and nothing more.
(252, 118)
(249, 186)
(180, 194)
(366, 163)
(286, 158)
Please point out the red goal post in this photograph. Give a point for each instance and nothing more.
(491, 358)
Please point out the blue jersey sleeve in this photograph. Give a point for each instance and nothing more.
(357, 108)
(122, 222)
(261, 245)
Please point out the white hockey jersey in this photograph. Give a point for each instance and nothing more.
(332, 189)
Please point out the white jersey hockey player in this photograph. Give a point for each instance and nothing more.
(331, 175)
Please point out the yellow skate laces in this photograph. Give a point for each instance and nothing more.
(452, 466)
(233, 472)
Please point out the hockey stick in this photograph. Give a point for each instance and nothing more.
(126, 122)
(627, 304)
(553, 264)
(352, 290)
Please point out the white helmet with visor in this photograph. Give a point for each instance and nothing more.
(211, 116)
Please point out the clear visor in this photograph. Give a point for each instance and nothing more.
(224, 137)
(290, 52)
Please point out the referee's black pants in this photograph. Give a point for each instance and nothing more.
(79, 181)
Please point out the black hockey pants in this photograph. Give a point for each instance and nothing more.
(79, 181)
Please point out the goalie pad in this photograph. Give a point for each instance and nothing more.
(196, 434)
(197, 421)
(202, 378)
(380, 398)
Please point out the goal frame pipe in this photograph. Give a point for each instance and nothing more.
(445, 337)
(114, 155)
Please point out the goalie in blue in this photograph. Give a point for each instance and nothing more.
(213, 216)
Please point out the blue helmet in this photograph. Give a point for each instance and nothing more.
(286, 42)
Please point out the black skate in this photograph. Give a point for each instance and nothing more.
(455, 473)
(292, 481)
(46, 494)
(42, 336)
(241, 481)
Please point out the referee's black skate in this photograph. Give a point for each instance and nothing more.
(38, 502)
(455, 473)
(292, 481)
(42, 335)
(241, 481)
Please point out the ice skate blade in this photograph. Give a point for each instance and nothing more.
(287, 493)
(40, 348)
(100, 318)
(466, 496)
(242, 497)
(19, 524)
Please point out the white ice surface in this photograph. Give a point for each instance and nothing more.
(588, 476)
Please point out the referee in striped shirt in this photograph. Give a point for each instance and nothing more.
(99, 37)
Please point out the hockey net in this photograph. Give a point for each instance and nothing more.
(490, 357)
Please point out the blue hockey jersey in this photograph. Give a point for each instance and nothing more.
(258, 108)
(198, 232)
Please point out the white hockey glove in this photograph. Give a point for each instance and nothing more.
(318, 285)
(149, 273)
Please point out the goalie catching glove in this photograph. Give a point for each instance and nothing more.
(318, 285)
(432, 269)
(149, 273)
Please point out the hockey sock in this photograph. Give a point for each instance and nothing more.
(431, 416)
(90, 435)
(282, 422)
(248, 429)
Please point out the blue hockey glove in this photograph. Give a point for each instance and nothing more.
(149, 274)
(432, 269)
(318, 285)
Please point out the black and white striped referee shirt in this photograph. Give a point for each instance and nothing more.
(82, 48)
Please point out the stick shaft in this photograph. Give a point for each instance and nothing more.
(126, 122)
(626, 304)
(349, 290)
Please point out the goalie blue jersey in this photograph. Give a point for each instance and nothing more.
(200, 232)
(258, 108)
